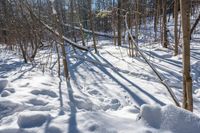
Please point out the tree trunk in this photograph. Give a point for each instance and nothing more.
(119, 23)
(155, 19)
(176, 27)
(92, 25)
(165, 42)
(187, 80)
(72, 18)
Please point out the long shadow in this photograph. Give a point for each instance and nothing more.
(82, 54)
(137, 99)
(170, 73)
(172, 62)
(73, 69)
(61, 112)
(195, 55)
(140, 89)
(21, 75)
(72, 119)
(5, 68)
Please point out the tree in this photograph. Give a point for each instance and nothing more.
(72, 18)
(92, 25)
(156, 18)
(176, 27)
(187, 80)
(119, 23)
(164, 26)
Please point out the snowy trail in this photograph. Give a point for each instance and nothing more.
(97, 98)
(121, 78)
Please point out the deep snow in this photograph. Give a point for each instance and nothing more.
(108, 92)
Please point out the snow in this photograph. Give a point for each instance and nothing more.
(32, 119)
(108, 92)
(104, 94)
(170, 118)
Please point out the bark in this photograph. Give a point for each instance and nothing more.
(165, 42)
(72, 18)
(119, 23)
(155, 19)
(176, 27)
(92, 25)
(187, 80)
(58, 58)
(82, 34)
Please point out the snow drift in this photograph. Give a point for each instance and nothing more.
(170, 118)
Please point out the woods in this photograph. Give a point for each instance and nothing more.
(112, 54)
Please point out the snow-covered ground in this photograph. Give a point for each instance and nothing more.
(108, 92)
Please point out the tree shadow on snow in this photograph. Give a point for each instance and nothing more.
(138, 100)
(6, 68)
(72, 120)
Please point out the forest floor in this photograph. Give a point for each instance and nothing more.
(104, 94)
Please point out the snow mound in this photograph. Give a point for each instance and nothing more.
(170, 118)
(31, 119)
(37, 102)
(53, 129)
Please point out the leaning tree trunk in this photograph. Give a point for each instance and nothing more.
(187, 80)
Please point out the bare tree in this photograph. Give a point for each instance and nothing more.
(119, 23)
(176, 27)
(187, 80)
(164, 25)
(92, 25)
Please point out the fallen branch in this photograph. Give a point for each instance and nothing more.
(90, 32)
(96, 32)
(55, 32)
(63, 37)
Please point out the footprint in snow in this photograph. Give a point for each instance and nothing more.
(37, 102)
(45, 92)
(30, 119)
(7, 108)
(113, 104)
(94, 92)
